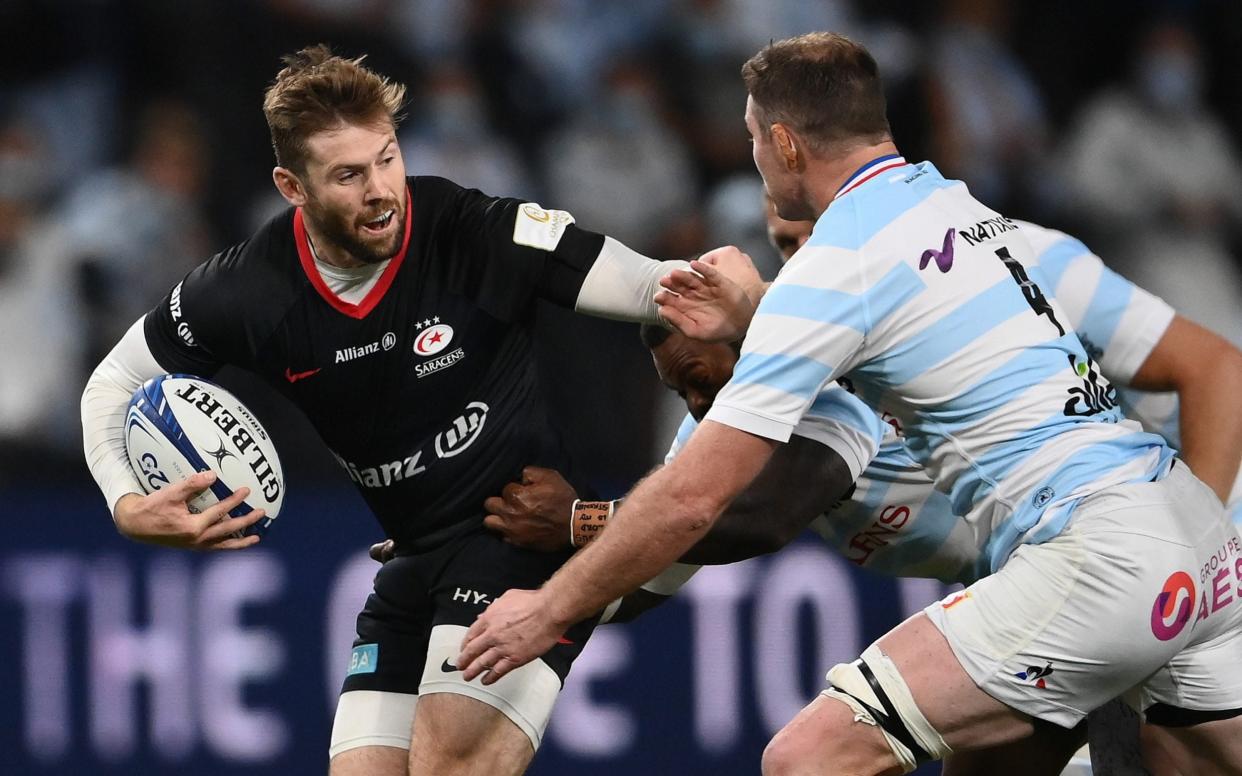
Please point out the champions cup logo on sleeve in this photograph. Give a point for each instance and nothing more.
(535, 227)
(1163, 609)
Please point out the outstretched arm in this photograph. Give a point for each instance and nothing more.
(1206, 372)
(803, 479)
(662, 518)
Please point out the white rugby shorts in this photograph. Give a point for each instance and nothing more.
(1138, 598)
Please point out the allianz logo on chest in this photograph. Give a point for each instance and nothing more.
(386, 342)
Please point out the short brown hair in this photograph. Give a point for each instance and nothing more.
(317, 90)
(822, 85)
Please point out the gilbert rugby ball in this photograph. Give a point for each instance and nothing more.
(177, 425)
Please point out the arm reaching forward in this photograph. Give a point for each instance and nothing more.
(662, 518)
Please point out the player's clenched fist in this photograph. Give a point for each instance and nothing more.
(534, 513)
(517, 628)
(163, 517)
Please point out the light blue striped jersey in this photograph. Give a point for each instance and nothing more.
(835, 419)
(929, 304)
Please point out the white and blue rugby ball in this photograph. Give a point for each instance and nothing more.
(178, 425)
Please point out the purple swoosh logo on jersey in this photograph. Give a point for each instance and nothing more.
(943, 257)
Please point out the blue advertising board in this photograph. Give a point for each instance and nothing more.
(118, 658)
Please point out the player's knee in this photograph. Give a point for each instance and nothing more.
(789, 753)
(827, 741)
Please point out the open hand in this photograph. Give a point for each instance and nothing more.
(706, 304)
(516, 628)
(163, 517)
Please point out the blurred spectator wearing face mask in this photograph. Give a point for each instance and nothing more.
(40, 334)
(624, 170)
(1152, 171)
(138, 228)
(989, 127)
(449, 136)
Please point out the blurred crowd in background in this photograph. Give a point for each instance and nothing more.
(132, 147)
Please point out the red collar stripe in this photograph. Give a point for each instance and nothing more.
(373, 297)
(850, 186)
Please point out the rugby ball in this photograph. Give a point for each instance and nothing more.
(177, 425)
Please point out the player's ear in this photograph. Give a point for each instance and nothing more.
(787, 146)
(290, 186)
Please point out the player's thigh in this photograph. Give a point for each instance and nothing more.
(1205, 749)
(906, 700)
(1044, 753)
(481, 571)
(457, 735)
(965, 716)
(370, 761)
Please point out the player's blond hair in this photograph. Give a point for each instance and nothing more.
(316, 91)
(823, 86)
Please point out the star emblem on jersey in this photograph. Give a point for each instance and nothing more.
(433, 338)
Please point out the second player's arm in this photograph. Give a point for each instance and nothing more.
(1206, 372)
(803, 479)
(665, 514)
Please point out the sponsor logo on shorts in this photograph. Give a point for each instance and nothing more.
(471, 597)
(1171, 611)
(364, 659)
(955, 599)
(1220, 584)
(448, 667)
(1035, 676)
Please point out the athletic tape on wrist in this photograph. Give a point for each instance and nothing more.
(588, 520)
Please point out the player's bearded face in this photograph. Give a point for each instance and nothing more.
(350, 228)
(356, 199)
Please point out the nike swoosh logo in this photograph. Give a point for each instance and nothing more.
(449, 668)
(943, 257)
(293, 377)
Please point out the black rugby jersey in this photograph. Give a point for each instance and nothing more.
(426, 391)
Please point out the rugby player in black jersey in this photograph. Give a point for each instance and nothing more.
(396, 313)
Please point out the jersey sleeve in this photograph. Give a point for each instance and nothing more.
(196, 329)
(836, 419)
(523, 251)
(1118, 322)
(684, 432)
(840, 421)
(808, 330)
